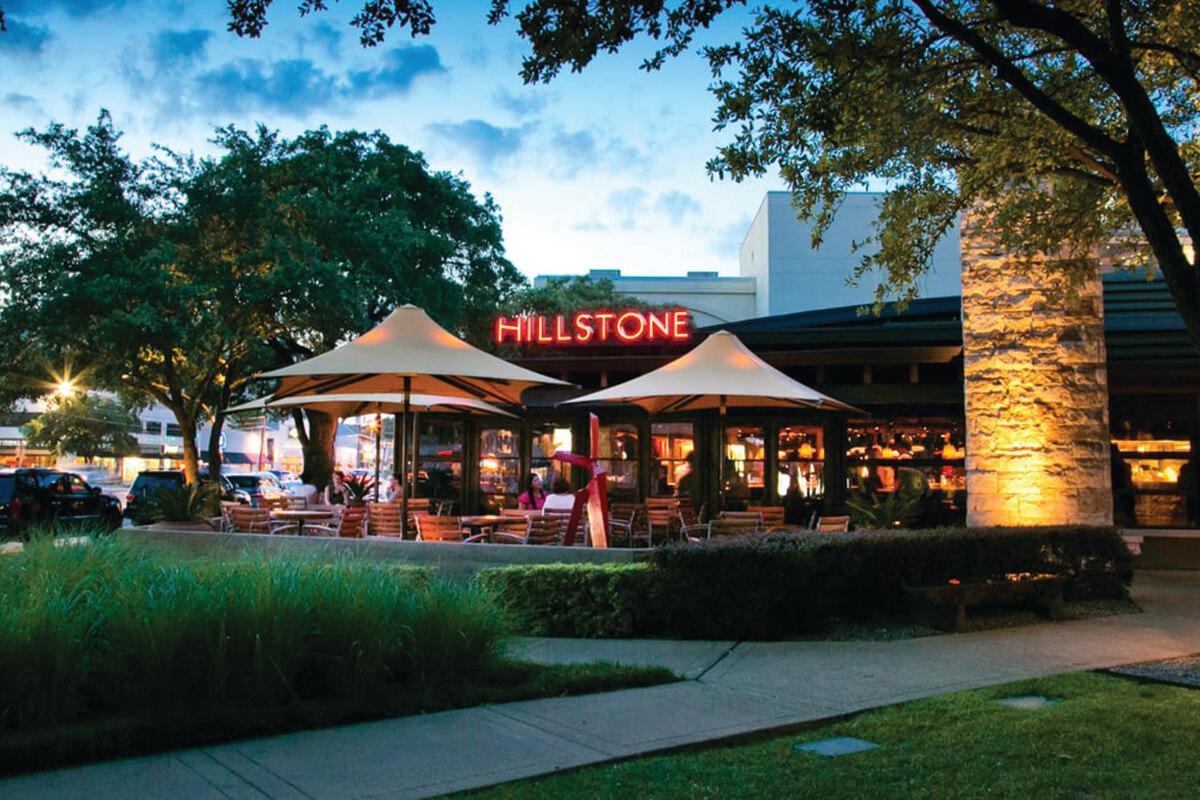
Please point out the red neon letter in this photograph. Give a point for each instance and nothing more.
(504, 325)
(604, 318)
(623, 332)
(560, 330)
(659, 323)
(542, 336)
(679, 325)
(583, 327)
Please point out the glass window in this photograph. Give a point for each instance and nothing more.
(936, 448)
(745, 465)
(801, 461)
(1151, 482)
(548, 439)
(672, 445)
(619, 456)
(439, 444)
(499, 467)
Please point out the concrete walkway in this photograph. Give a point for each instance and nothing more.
(733, 689)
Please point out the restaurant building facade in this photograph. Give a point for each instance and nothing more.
(904, 370)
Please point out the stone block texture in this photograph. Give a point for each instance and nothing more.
(1036, 393)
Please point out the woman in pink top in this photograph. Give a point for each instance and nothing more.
(534, 497)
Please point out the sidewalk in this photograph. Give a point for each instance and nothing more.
(732, 689)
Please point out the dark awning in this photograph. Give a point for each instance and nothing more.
(236, 458)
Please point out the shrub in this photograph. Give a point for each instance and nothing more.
(591, 600)
(775, 585)
(194, 502)
(110, 627)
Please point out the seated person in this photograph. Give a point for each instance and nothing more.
(533, 497)
(561, 499)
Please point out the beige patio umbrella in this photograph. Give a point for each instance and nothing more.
(357, 405)
(719, 373)
(409, 353)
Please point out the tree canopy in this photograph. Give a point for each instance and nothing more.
(1068, 128)
(177, 280)
(87, 425)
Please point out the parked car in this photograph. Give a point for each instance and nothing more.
(290, 482)
(92, 473)
(257, 485)
(32, 496)
(148, 481)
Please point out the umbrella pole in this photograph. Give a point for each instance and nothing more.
(404, 462)
(721, 449)
(378, 437)
(416, 449)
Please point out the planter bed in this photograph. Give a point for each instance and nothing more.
(946, 606)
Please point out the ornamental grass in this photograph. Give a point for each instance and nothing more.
(106, 627)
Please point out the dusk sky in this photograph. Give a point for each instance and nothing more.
(604, 169)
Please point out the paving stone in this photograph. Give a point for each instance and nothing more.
(1028, 702)
(837, 746)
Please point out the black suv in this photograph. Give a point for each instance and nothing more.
(32, 496)
(148, 481)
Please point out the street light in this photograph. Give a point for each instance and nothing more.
(65, 388)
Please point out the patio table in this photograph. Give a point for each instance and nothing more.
(476, 523)
(300, 516)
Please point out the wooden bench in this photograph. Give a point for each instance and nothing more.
(945, 607)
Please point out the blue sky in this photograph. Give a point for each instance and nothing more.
(603, 169)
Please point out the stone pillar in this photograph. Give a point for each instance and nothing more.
(1036, 394)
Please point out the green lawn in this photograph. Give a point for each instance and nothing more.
(166, 728)
(1108, 738)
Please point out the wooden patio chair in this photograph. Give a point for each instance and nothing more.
(244, 519)
(351, 525)
(627, 519)
(432, 528)
(833, 524)
(384, 519)
(694, 532)
(744, 519)
(523, 513)
(273, 503)
(772, 516)
(547, 529)
(416, 506)
(662, 517)
(222, 522)
(733, 526)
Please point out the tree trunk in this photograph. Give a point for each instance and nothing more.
(191, 456)
(317, 446)
(214, 447)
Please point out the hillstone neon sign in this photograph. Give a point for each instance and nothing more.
(631, 326)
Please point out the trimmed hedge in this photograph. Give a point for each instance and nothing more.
(584, 600)
(782, 584)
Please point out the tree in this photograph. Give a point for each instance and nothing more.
(181, 279)
(1070, 126)
(91, 265)
(85, 425)
(331, 231)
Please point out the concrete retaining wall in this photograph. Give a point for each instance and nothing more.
(453, 560)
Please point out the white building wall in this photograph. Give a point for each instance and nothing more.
(793, 276)
(755, 257)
